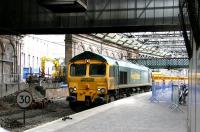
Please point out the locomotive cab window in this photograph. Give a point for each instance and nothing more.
(97, 69)
(78, 70)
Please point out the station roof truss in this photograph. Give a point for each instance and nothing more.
(149, 44)
(163, 63)
(88, 16)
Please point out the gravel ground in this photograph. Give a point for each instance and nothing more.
(11, 117)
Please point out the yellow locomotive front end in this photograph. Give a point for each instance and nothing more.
(87, 81)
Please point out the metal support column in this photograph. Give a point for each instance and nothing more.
(2, 76)
(68, 51)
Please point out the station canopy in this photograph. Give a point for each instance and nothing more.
(149, 44)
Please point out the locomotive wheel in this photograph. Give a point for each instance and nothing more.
(128, 93)
(111, 98)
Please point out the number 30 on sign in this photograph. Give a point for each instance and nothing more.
(24, 99)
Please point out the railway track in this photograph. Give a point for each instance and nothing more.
(12, 118)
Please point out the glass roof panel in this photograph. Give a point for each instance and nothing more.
(169, 43)
(120, 42)
(112, 35)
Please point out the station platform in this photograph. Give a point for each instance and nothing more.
(131, 114)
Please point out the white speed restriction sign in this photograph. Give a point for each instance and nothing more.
(24, 99)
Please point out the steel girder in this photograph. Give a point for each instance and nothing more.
(27, 16)
(163, 63)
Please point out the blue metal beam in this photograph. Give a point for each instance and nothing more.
(163, 63)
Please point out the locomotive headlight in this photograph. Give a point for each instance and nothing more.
(101, 90)
(75, 89)
(72, 90)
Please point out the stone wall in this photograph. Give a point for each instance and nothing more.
(9, 56)
(83, 42)
(9, 64)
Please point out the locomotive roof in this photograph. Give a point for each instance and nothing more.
(94, 56)
(88, 55)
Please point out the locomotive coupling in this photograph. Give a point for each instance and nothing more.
(99, 100)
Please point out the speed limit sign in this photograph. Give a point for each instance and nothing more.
(24, 99)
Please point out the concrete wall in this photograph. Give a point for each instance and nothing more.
(7, 89)
(56, 93)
